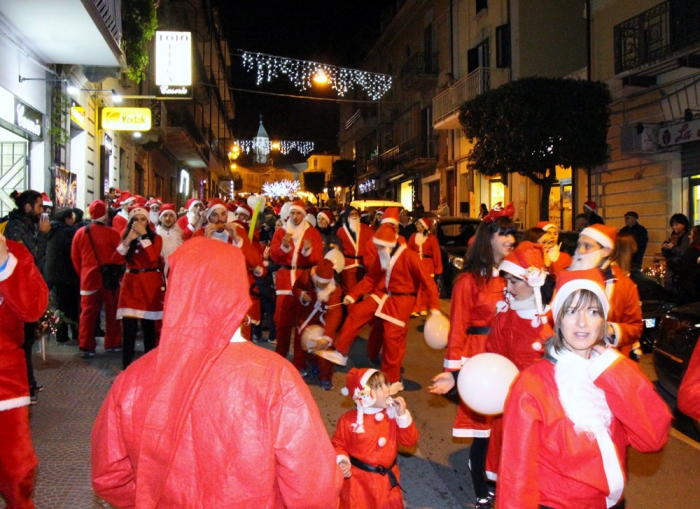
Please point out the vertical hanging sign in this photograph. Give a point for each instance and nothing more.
(173, 65)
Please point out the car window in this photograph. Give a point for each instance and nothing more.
(455, 234)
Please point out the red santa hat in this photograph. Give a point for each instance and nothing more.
(126, 198)
(97, 210)
(546, 226)
(137, 210)
(391, 215)
(364, 213)
(385, 236)
(213, 204)
(527, 263)
(192, 202)
(356, 384)
(323, 273)
(569, 281)
(380, 211)
(499, 210)
(298, 205)
(243, 208)
(45, 200)
(154, 201)
(603, 234)
(426, 222)
(327, 214)
(590, 205)
(167, 208)
(140, 200)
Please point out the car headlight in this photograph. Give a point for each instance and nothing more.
(456, 261)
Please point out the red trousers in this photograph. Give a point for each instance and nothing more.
(17, 462)
(91, 306)
(422, 297)
(285, 320)
(351, 277)
(361, 313)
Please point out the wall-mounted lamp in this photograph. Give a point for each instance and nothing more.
(116, 98)
(22, 79)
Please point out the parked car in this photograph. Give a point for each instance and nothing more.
(678, 334)
(453, 234)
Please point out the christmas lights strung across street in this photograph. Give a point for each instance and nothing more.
(265, 146)
(281, 188)
(302, 72)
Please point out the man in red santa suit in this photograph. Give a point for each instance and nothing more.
(194, 219)
(625, 327)
(425, 244)
(353, 237)
(93, 246)
(392, 282)
(208, 419)
(295, 248)
(23, 299)
(234, 233)
(154, 206)
(318, 303)
(555, 258)
(169, 231)
(120, 221)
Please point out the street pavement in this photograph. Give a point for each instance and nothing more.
(434, 474)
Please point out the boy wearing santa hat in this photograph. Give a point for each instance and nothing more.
(366, 440)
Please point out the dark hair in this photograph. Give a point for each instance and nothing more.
(150, 235)
(23, 198)
(62, 214)
(78, 215)
(680, 219)
(533, 234)
(479, 258)
(583, 298)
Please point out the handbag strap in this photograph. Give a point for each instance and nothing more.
(87, 232)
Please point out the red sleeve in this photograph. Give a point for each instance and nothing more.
(316, 254)
(627, 312)
(279, 256)
(437, 254)
(298, 288)
(252, 256)
(343, 433)
(426, 283)
(408, 437)
(21, 285)
(153, 250)
(689, 393)
(369, 282)
(460, 319)
(334, 316)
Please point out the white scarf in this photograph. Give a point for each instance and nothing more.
(420, 238)
(296, 231)
(584, 403)
(323, 295)
(519, 305)
(384, 257)
(172, 239)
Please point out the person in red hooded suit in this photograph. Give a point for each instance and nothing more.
(193, 220)
(208, 419)
(426, 245)
(295, 248)
(23, 298)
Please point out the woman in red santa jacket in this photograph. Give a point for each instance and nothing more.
(143, 287)
(425, 244)
(474, 298)
(689, 392)
(23, 298)
(569, 418)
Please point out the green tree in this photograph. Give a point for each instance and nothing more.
(343, 173)
(139, 25)
(532, 125)
(313, 182)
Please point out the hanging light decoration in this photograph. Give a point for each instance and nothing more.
(302, 73)
(285, 147)
(281, 188)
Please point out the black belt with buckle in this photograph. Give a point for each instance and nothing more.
(401, 294)
(478, 330)
(378, 470)
(139, 271)
(296, 267)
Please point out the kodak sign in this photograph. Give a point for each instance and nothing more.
(126, 119)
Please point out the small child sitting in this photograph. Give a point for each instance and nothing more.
(367, 448)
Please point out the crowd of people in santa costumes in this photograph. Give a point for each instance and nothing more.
(143, 286)
(23, 299)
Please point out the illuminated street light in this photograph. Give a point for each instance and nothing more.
(320, 77)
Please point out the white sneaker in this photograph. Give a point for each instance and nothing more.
(334, 356)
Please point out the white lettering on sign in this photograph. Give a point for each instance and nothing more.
(679, 133)
(166, 90)
(33, 126)
(173, 58)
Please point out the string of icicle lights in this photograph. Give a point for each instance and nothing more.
(285, 147)
(280, 188)
(302, 73)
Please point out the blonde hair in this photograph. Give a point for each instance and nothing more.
(376, 379)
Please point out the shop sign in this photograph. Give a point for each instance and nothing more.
(125, 119)
(27, 118)
(77, 116)
(679, 133)
(173, 65)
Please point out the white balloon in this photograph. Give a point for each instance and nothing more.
(310, 338)
(254, 199)
(484, 382)
(284, 211)
(337, 258)
(435, 331)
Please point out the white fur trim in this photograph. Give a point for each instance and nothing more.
(138, 211)
(452, 364)
(321, 279)
(350, 298)
(512, 268)
(167, 211)
(471, 433)
(602, 362)
(213, 208)
(285, 249)
(365, 377)
(238, 337)
(405, 420)
(300, 209)
(599, 237)
(139, 313)
(306, 251)
(579, 284)
(9, 404)
(122, 250)
(9, 268)
(384, 243)
(145, 242)
(618, 332)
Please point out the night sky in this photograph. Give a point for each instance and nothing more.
(336, 32)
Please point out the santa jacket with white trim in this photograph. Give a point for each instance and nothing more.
(105, 239)
(142, 293)
(689, 392)
(296, 256)
(625, 308)
(428, 252)
(544, 461)
(187, 229)
(23, 298)
(332, 317)
(405, 276)
(354, 248)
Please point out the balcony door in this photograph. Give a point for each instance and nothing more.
(478, 56)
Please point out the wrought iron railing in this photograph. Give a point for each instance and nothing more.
(475, 83)
(657, 33)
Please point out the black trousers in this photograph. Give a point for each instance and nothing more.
(129, 330)
(29, 338)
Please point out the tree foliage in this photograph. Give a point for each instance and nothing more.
(139, 25)
(314, 181)
(343, 173)
(532, 125)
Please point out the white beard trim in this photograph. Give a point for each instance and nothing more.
(587, 261)
(384, 258)
(354, 225)
(153, 217)
(172, 239)
(323, 295)
(420, 238)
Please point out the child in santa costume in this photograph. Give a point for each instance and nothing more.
(366, 440)
(426, 245)
(569, 418)
(23, 298)
(319, 303)
(556, 259)
(475, 295)
(689, 392)
(143, 286)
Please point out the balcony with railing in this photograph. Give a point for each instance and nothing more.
(360, 124)
(659, 39)
(420, 72)
(446, 104)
